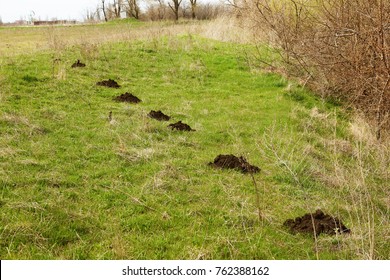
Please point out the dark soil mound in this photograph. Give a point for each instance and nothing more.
(108, 83)
(323, 223)
(233, 162)
(159, 116)
(78, 64)
(180, 126)
(127, 97)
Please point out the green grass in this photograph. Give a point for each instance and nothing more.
(74, 185)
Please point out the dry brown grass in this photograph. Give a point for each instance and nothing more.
(24, 40)
(360, 176)
(27, 40)
(228, 29)
(352, 171)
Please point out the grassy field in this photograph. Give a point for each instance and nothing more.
(75, 184)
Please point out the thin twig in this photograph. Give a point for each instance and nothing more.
(257, 197)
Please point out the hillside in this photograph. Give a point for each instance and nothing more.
(83, 176)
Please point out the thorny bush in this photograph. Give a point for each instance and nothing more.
(340, 47)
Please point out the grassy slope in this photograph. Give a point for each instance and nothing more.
(75, 186)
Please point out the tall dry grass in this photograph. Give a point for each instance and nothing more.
(355, 172)
(228, 28)
(35, 39)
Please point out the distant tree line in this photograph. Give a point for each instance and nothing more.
(107, 10)
(53, 22)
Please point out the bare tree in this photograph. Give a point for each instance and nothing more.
(98, 14)
(160, 7)
(175, 8)
(193, 8)
(89, 16)
(117, 8)
(132, 8)
(104, 10)
(111, 10)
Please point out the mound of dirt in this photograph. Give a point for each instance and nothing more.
(108, 83)
(160, 116)
(233, 162)
(78, 64)
(323, 223)
(127, 97)
(180, 126)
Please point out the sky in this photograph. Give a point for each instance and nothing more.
(11, 10)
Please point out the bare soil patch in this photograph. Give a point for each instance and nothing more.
(233, 162)
(158, 115)
(108, 83)
(127, 97)
(180, 126)
(323, 223)
(78, 63)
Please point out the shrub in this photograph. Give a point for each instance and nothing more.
(341, 47)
